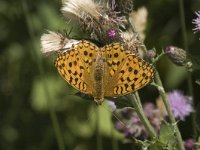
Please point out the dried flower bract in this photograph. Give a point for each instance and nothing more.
(95, 18)
(131, 42)
(140, 20)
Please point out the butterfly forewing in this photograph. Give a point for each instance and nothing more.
(114, 54)
(75, 65)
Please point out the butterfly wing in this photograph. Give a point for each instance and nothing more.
(75, 65)
(126, 73)
(114, 55)
(134, 74)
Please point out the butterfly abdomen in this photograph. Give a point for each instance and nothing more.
(99, 71)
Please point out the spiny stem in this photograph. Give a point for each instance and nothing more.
(158, 57)
(163, 95)
(37, 57)
(139, 110)
(169, 111)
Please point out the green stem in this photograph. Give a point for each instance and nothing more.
(99, 137)
(39, 63)
(189, 77)
(169, 111)
(143, 118)
(138, 99)
(158, 57)
(163, 95)
(114, 140)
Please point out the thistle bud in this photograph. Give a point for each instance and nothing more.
(150, 54)
(177, 55)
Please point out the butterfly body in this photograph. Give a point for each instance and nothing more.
(99, 79)
(109, 71)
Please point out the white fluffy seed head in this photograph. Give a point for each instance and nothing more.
(53, 42)
(81, 9)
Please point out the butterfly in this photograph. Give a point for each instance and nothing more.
(109, 71)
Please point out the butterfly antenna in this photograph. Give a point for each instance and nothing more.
(115, 114)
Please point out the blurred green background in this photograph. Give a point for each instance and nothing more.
(31, 89)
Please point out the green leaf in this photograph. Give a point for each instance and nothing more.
(49, 92)
(167, 135)
(155, 144)
(197, 82)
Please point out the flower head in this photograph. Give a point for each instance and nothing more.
(176, 55)
(151, 53)
(81, 9)
(190, 144)
(196, 22)
(96, 18)
(181, 105)
(131, 42)
(140, 21)
(54, 42)
(112, 33)
(132, 126)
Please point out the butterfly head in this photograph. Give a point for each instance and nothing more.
(98, 101)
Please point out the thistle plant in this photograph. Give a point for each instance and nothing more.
(116, 21)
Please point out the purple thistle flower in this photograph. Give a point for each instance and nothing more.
(132, 126)
(196, 22)
(189, 144)
(111, 33)
(150, 54)
(119, 126)
(181, 105)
